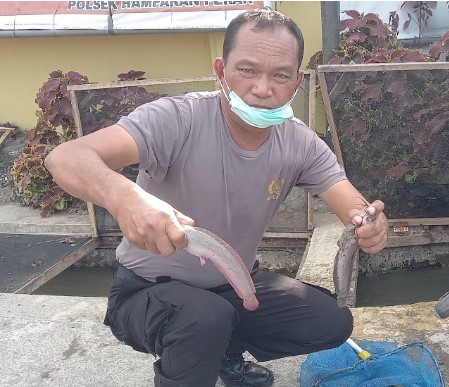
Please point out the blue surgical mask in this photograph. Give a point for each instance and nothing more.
(260, 118)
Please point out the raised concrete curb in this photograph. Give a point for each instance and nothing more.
(317, 264)
(16, 219)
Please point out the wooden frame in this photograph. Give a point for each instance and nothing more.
(110, 85)
(5, 135)
(310, 91)
(312, 125)
(410, 66)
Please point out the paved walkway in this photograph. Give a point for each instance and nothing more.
(61, 341)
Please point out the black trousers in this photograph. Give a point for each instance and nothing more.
(190, 328)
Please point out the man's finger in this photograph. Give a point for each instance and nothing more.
(165, 245)
(378, 206)
(175, 230)
(183, 219)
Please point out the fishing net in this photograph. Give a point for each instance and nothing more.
(412, 365)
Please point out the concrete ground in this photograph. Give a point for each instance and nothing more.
(61, 341)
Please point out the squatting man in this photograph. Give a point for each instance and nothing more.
(208, 159)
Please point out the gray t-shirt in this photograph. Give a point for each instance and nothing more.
(188, 159)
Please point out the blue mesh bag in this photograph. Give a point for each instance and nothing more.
(412, 365)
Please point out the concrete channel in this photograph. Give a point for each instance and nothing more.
(61, 341)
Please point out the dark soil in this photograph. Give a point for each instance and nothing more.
(8, 153)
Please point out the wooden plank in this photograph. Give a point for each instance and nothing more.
(330, 118)
(419, 222)
(417, 239)
(29, 260)
(145, 82)
(349, 68)
(76, 113)
(59, 266)
(285, 240)
(288, 235)
(312, 125)
(6, 133)
(92, 219)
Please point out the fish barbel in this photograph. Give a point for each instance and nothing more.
(345, 260)
(205, 244)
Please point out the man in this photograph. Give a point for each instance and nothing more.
(208, 159)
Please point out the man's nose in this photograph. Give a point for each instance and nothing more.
(262, 86)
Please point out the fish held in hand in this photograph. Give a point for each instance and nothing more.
(205, 244)
(345, 260)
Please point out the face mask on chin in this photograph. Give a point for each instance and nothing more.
(260, 118)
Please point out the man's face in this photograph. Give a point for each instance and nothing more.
(262, 67)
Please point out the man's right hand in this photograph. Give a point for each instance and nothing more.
(85, 168)
(150, 223)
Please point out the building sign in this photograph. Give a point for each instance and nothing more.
(61, 17)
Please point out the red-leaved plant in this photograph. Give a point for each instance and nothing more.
(55, 124)
(393, 126)
(34, 183)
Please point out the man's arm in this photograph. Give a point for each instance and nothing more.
(348, 203)
(85, 168)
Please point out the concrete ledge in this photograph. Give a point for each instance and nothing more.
(17, 219)
(62, 341)
(318, 261)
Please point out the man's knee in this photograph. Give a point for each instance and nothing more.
(206, 319)
(200, 319)
(344, 323)
(335, 331)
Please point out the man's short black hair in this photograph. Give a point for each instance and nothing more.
(263, 18)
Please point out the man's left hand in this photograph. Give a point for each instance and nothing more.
(372, 236)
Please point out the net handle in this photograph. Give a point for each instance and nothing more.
(364, 355)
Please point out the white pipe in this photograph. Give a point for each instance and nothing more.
(364, 355)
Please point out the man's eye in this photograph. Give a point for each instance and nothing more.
(246, 70)
(281, 76)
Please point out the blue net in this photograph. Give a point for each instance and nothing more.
(412, 365)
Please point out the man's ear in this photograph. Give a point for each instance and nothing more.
(219, 67)
(299, 78)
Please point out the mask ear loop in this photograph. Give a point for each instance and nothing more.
(221, 85)
(293, 97)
